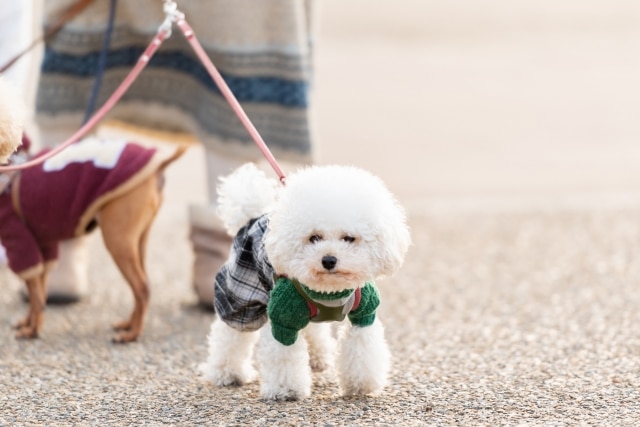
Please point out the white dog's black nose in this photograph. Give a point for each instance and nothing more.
(329, 262)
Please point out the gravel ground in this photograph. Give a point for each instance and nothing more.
(497, 318)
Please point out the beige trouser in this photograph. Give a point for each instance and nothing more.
(210, 241)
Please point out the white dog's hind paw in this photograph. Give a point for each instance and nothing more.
(230, 353)
(318, 365)
(371, 388)
(322, 346)
(228, 377)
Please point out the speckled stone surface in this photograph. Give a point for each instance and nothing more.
(522, 316)
(495, 319)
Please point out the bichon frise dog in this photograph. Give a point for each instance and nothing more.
(303, 254)
(12, 120)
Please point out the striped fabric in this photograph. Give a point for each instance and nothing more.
(261, 47)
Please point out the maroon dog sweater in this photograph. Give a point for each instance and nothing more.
(59, 199)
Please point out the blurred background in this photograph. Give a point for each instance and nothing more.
(462, 101)
(466, 103)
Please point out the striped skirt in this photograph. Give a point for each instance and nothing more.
(262, 48)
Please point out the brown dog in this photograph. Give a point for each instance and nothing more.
(115, 185)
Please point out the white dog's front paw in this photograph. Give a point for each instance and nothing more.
(363, 388)
(283, 393)
(284, 370)
(364, 360)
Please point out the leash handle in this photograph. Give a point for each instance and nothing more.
(231, 99)
(108, 105)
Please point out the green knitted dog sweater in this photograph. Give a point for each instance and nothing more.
(289, 313)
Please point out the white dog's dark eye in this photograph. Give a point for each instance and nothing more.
(349, 239)
(315, 238)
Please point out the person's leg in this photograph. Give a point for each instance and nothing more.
(209, 239)
(3, 255)
(69, 278)
(284, 125)
(16, 31)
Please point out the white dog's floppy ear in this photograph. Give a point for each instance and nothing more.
(12, 120)
(396, 239)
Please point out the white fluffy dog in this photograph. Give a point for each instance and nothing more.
(304, 253)
(12, 120)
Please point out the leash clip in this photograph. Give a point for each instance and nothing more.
(172, 14)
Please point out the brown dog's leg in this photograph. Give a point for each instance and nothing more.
(125, 222)
(30, 325)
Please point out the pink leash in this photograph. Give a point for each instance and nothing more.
(226, 92)
(173, 15)
(108, 105)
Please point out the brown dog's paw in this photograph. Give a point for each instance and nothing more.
(27, 332)
(125, 337)
(124, 325)
(22, 323)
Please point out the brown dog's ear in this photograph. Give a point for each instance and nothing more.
(26, 144)
(179, 151)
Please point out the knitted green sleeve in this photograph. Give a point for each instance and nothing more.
(287, 311)
(365, 314)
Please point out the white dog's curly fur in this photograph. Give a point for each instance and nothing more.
(354, 218)
(12, 120)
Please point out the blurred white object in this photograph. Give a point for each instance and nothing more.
(3, 256)
(16, 32)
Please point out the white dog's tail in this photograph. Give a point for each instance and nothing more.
(245, 194)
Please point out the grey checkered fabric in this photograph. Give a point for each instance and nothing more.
(243, 284)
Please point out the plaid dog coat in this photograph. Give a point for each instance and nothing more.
(244, 282)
